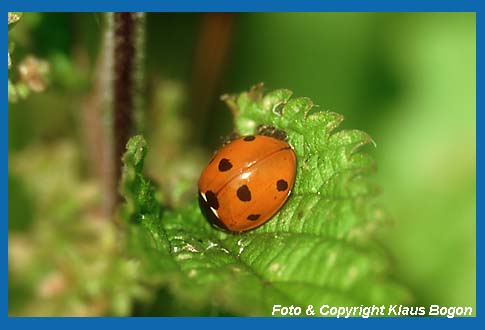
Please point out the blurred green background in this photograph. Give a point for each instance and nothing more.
(408, 79)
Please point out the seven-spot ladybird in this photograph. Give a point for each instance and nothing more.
(247, 182)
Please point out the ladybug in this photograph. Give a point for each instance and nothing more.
(247, 182)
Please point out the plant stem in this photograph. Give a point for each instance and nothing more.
(211, 54)
(128, 85)
(113, 110)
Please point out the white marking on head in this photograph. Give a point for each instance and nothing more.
(215, 212)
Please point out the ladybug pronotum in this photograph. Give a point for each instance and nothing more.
(247, 182)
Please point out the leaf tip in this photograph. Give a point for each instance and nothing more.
(136, 150)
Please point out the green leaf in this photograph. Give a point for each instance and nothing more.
(318, 249)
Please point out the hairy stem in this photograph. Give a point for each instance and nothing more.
(113, 110)
(127, 84)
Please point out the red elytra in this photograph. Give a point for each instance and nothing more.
(247, 182)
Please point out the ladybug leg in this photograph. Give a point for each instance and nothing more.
(268, 130)
(229, 138)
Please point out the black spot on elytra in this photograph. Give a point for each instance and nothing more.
(212, 199)
(249, 138)
(281, 185)
(243, 193)
(253, 217)
(224, 165)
